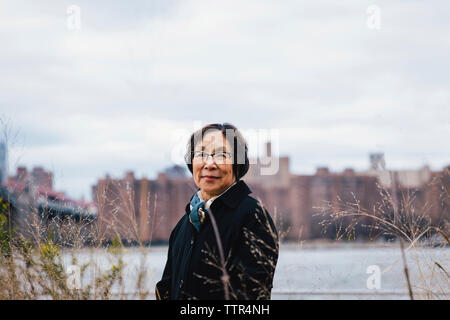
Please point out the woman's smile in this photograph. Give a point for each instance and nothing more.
(210, 178)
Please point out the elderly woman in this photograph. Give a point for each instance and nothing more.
(226, 245)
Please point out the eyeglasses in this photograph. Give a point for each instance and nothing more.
(219, 157)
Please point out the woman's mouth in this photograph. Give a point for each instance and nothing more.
(210, 178)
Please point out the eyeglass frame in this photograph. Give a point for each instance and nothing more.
(229, 155)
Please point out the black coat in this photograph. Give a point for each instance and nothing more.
(250, 244)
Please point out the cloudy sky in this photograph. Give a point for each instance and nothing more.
(110, 86)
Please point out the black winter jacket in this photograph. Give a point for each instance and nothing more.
(250, 244)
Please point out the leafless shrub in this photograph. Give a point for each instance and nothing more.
(32, 265)
(397, 215)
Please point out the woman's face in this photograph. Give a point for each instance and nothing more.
(213, 176)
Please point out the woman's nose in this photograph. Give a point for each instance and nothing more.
(209, 161)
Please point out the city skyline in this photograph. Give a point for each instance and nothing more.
(176, 170)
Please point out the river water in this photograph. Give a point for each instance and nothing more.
(308, 272)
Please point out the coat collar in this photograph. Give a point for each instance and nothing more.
(231, 198)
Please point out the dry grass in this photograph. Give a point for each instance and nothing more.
(397, 216)
(32, 264)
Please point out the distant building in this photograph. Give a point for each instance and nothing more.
(42, 178)
(268, 170)
(176, 172)
(140, 210)
(295, 207)
(3, 163)
(38, 180)
(404, 178)
(36, 207)
(377, 161)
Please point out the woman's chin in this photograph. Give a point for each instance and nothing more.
(207, 187)
(211, 184)
(210, 188)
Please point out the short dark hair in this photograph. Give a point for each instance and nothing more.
(240, 157)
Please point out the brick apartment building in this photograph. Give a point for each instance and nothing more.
(141, 210)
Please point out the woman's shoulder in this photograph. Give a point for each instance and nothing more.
(256, 217)
(250, 202)
(252, 208)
